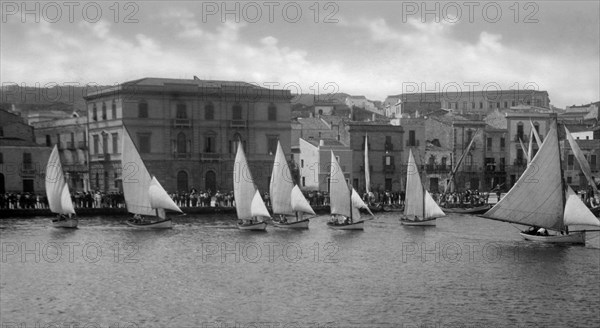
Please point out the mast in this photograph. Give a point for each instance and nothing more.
(562, 177)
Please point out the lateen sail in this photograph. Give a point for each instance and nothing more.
(281, 184)
(159, 197)
(338, 190)
(243, 185)
(136, 179)
(537, 197)
(432, 210)
(258, 208)
(299, 202)
(576, 212)
(57, 190)
(414, 189)
(583, 163)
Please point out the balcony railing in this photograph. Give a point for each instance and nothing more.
(81, 145)
(70, 145)
(389, 147)
(389, 168)
(522, 137)
(415, 143)
(27, 170)
(182, 123)
(210, 156)
(238, 123)
(182, 155)
(438, 168)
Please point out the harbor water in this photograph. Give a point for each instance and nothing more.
(466, 272)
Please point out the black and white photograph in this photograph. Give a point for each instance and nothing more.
(299, 164)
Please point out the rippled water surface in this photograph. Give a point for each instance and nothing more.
(204, 272)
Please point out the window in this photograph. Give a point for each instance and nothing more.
(536, 125)
(181, 143)
(105, 143)
(27, 163)
(519, 131)
(94, 112)
(506, 104)
(569, 180)
(143, 109)
(513, 103)
(388, 143)
(48, 140)
(96, 144)
(210, 143)
(115, 143)
(593, 162)
(271, 144)
(412, 138)
(72, 146)
(502, 143)
(103, 110)
(58, 140)
(116, 177)
(473, 105)
(209, 111)
(498, 105)
(181, 111)
(113, 109)
(301, 163)
(272, 112)
(570, 161)
(444, 162)
(303, 182)
(519, 156)
(1, 158)
(144, 142)
(480, 105)
(464, 105)
(489, 143)
(502, 164)
(237, 111)
(1, 131)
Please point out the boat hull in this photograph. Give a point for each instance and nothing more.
(572, 238)
(163, 224)
(68, 223)
(360, 225)
(467, 210)
(260, 226)
(303, 224)
(426, 222)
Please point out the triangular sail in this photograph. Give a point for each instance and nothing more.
(66, 202)
(136, 179)
(257, 207)
(413, 204)
(537, 197)
(576, 212)
(358, 203)
(367, 166)
(56, 186)
(299, 202)
(243, 185)
(583, 163)
(281, 184)
(432, 210)
(339, 193)
(159, 197)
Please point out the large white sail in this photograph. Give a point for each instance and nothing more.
(299, 202)
(136, 179)
(339, 193)
(432, 210)
(257, 207)
(159, 197)
(583, 163)
(243, 185)
(367, 166)
(413, 204)
(358, 203)
(537, 197)
(56, 185)
(576, 212)
(65, 201)
(281, 184)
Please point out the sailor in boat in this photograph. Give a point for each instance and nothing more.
(542, 232)
(63, 217)
(138, 218)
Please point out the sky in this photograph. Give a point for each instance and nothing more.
(370, 48)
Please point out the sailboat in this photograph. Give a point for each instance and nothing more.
(250, 208)
(542, 199)
(144, 195)
(419, 209)
(57, 192)
(466, 209)
(344, 201)
(372, 207)
(289, 204)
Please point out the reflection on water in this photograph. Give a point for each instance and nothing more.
(205, 273)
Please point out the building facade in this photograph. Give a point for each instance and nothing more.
(315, 162)
(187, 131)
(22, 161)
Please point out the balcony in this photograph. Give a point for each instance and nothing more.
(27, 170)
(430, 168)
(210, 156)
(522, 137)
(414, 143)
(81, 145)
(238, 124)
(389, 168)
(389, 147)
(71, 145)
(182, 123)
(181, 156)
